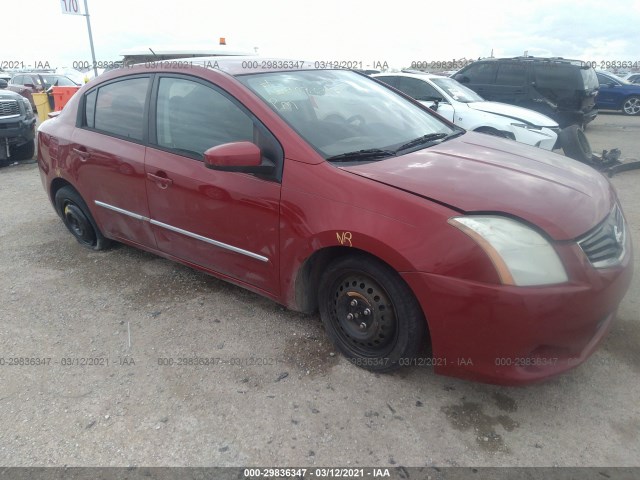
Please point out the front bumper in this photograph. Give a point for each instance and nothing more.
(517, 335)
(544, 137)
(17, 130)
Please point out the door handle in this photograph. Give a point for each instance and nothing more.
(160, 179)
(83, 154)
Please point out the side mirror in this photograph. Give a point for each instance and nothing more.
(242, 157)
(611, 84)
(462, 78)
(3, 83)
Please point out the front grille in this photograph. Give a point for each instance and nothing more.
(604, 246)
(9, 108)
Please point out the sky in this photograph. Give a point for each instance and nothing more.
(374, 33)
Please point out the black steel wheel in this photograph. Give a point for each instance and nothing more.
(370, 314)
(78, 220)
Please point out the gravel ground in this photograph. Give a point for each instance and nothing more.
(304, 406)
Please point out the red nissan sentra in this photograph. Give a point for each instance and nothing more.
(325, 189)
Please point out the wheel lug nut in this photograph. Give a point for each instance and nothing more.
(350, 316)
(354, 303)
(367, 312)
(363, 326)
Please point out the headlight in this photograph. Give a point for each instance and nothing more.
(27, 107)
(521, 255)
(524, 125)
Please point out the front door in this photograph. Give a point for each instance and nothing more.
(226, 222)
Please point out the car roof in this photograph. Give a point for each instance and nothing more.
(244, 65)
(549, 60)
(420, 75)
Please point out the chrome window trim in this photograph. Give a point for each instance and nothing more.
(183, 232)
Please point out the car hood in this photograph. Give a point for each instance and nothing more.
(517, 113)
(6, 94)
(480, 173)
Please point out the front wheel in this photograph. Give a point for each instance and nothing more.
(631, 106)
(370, 313)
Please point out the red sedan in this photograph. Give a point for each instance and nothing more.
(325, 189)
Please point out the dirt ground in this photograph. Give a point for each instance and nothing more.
(277, 393)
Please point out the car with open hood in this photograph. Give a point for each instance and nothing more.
(467, 109)
(323, 189)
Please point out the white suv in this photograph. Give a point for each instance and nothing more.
(466, 108)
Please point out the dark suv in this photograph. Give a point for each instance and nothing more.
(562, 89)
(17, 126)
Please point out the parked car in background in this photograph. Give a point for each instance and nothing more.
(327, 190)
(464, 107)
(562, 89)
(632, 78)
(35, 82)
(17, 126)
(617, 94)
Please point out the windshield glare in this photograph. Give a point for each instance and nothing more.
(340, 111)
(57, 80)
(456, 90)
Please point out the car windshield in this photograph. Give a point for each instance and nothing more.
(617, 79)
(456, 90)
(58, 80)
(341, 113)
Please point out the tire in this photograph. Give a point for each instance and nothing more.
(24, 152)
(78, 220)
(575, 144)
(631, 106)
(393, 331)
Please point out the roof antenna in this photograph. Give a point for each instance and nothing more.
(154, 53)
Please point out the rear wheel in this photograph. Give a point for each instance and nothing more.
(370, 314)
(631, 106)
(78, 220)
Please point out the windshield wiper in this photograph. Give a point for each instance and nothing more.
(361, 155)
(454, 135)
(429, 137)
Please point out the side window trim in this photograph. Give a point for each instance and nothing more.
(152, 114)
(80, 119)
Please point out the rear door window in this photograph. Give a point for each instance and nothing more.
(511, 74)
(119, 108)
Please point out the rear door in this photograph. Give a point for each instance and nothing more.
(106, 155)
(226, 222)
(512, 83)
